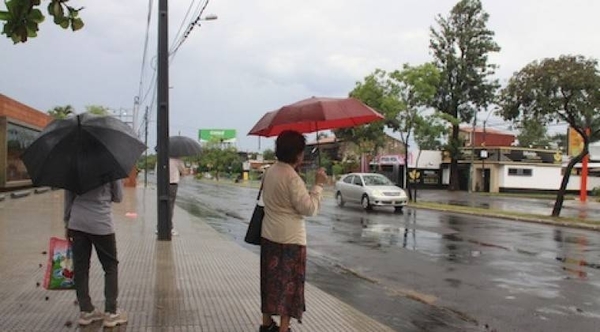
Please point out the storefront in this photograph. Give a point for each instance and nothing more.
(19, 126)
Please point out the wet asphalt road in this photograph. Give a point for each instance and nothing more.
(430, 271)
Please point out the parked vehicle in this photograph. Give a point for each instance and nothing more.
(368, 190)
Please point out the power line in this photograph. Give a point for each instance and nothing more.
(177, 35)
(190, 28)
(145, 52)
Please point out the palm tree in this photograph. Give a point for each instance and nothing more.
(61, 112)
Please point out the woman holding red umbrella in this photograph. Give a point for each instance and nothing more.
(283, 246)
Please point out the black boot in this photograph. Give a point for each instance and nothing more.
(271, 328)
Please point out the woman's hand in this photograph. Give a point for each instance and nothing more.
(320, 177)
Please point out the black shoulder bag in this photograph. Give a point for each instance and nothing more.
(255, 226)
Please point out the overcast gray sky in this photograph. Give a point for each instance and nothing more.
(262, 54)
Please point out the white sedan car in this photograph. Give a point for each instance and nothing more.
(368, 190)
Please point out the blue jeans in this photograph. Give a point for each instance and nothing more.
(106, 249)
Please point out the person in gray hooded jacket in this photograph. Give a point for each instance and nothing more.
(89, 222)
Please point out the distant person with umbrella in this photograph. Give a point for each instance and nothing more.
(176, 170)
(87, 155)
(283, 245)
(179, 146)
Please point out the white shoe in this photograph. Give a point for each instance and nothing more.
(112, 320)
(174, 232)
(87, 318)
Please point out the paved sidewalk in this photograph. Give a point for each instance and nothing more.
(200, 281)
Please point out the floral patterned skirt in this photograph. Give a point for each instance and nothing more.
(282, 272)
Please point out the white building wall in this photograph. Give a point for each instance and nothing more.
(428, 159)
(446, 176)
(542, 178)
(575, 182)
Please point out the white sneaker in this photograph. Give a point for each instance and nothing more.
(174, 232)
(87, 318)
(112, 320)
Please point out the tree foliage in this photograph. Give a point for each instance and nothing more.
(97, 110)
(371, 136)
(220, 160)
(147, 162)
(460, 47)
(269, 154)
(412, 90)
(559, 141)
(533, 134)
(564, 89)
(22, 18)
(61, 112)
(430, 132)
(400, 96)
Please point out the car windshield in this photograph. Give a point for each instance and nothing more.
(376, 180)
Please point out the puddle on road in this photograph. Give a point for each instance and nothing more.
(197, 209)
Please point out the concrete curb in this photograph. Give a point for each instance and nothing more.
(41, 190)
(20, 194)
(515, 218)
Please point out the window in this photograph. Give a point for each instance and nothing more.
(520, 171)
(357, 181)
(377, 180)
(348, 179)
(18, 139)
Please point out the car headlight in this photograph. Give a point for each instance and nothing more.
(377, 192)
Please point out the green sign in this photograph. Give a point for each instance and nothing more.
(217, 135)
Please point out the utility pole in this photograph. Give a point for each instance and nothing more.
(136, 106)
(483, 157)
(471, 168)
(146, 143)
(162, 123)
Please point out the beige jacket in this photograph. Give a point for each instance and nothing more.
(287, 201)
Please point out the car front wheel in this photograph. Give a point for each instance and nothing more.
(398, 209)
(339, 199)
(366, 204)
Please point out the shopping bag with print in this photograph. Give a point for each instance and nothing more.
(59, 271)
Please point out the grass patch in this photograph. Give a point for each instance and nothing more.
(524, 195)
(503, 214)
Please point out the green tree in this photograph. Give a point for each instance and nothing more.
(147, 162)
(219, 160)
(560, 141)
(21, 18)
(61, 112)
(533, 134)
(564, 89)
(412, 90)
(430, 133)
(97, 110)
(269, 154)
(461, 45)
(371, 136)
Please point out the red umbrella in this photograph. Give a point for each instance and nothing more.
(315, 114)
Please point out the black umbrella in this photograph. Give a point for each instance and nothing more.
(181, 146)
(82, 152)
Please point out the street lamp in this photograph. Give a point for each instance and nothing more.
(210, 17)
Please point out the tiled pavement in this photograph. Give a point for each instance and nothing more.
(200, 281)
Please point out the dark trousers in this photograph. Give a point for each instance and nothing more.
(172, 197)
(106, 249)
